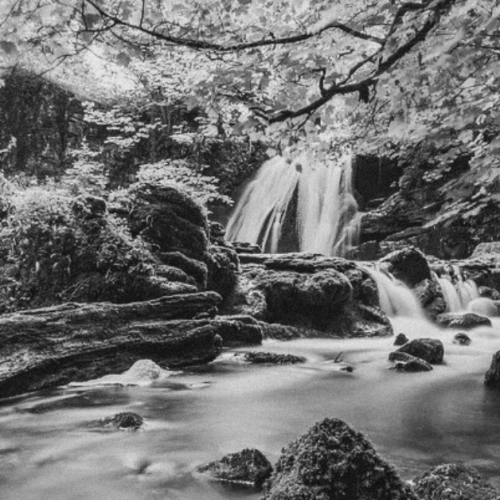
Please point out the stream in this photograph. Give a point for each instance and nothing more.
(49, 448)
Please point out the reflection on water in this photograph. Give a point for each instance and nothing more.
(50, 450)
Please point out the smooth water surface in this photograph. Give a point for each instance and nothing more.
(50, 448)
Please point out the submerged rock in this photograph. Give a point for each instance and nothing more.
(430, 350)
(462, 320)
(124, 421)
(461, 338)
(407, 363)
(331, 461)
(258, 357)
(247, 467)
(454, 482)
(492, 376)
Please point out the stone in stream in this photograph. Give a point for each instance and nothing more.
(248, 467)
(492, 376)
(462, 320)
(401, 339)
(462, 338)
(407, 363)
(454, 482)
(332, 461)
(123, 421)
(430, 350)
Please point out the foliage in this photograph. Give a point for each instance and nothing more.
(179, 173)
(59, 244)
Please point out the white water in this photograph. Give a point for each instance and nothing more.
(415, 420)
(327, 220)
(457, 291)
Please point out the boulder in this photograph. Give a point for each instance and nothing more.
(407, 363)
(332, 461)
(430, 350)
(462, 338)
(492, 376)
(327, 295)
(223, 267)
(401, 339)
(489, 293)
(408, 265)
(454, 482)
(248, 467)
(462, 320)
(170, 220)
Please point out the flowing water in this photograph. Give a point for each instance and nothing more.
(49, 448)
(325, 216)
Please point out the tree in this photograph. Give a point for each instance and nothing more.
(382, 72)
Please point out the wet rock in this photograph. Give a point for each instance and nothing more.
(124, 421)
(223, 266)
(407, 363)
(401, 339)
(462, 320)
(492, 376)
(333, 461)
(247, 467)
(489, 293)
(462, 338)
(240, 330)
(430, 350)
(454, 482)
(258, 357)
(408, 265)
(483, 306)
(244, 247)
(430, 297)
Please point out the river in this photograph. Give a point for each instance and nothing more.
(50, 450)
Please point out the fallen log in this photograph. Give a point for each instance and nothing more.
(52, 346)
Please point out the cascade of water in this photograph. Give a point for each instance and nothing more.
(457, 291)
(327, 219)
(396, 299)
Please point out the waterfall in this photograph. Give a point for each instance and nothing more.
(321, 196)
(396, 299)
(457, 291)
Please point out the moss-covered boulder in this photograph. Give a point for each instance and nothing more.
(331, 461)
(454, 482)
(248, 467)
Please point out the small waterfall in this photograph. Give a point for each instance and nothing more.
(457, 291)
(326, 213)
(396, 299)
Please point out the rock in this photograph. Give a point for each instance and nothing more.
(408, 265)
(170, 220)
(483, 306)
(248, 467)
(454, 482)
(408, 363)
(489, 293)
(43, 348)
(461, 338)
(223, 267)
(242, 330)
(487, 249)
(430, 297)
(492, 376)
(332, 461)
(124, 421)
(401, 339)
(430, 350)
(248, 248)
(192, 267)
(259, 357)
(462, 320)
